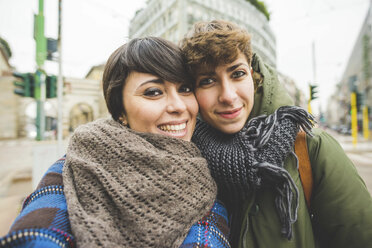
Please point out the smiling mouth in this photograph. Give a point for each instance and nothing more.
(175, 130)
(230, 114)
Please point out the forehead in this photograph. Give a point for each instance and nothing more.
(137, 79)
(210, 68)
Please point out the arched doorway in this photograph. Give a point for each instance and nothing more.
(80, 113)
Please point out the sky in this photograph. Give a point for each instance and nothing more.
(93, 29)
(331, 25)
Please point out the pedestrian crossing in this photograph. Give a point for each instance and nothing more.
(14, 143)
(361, 158)
(369, 155)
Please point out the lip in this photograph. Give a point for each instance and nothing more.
(176, 134)
(230, 114)
(174, 122)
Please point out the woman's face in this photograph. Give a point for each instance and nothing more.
(153, 105)
(225, 95)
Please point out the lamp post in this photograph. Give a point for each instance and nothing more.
(41, 53)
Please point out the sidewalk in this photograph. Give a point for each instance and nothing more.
(14, 187)
(23, 162)
(346, 141)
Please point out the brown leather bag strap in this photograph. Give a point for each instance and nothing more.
(304, 166)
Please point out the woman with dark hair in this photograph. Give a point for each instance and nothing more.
(134, 180)
(248, 132)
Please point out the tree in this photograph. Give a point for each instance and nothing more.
(260, 5)
(6, 47)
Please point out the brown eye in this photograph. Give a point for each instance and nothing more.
(151, 92)
(185, 89)
(238, 74)
(206, 82)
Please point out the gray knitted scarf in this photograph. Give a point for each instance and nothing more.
(129, 189)
(254, 158)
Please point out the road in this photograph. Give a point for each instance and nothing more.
(16, 158)
(15, 179)
(363, 163)
(361, 155)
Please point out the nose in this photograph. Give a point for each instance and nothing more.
(175, 103)
(227, 92)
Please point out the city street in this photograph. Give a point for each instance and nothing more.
(243, 59)
(17, 158)
(361, 155)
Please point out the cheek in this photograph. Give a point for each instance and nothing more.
(192, 106)
(206, 100)
(143, 115)
(246, 91)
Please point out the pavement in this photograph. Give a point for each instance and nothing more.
(15, 179)
(362, 145)
(18, 176)
(11, 203)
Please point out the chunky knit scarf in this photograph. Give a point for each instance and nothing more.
(254, 157)
(130, 189)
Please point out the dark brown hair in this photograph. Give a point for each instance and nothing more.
(214, 43)
(152, 55)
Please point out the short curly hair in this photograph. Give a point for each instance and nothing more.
(209, 44)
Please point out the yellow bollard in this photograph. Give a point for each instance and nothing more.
(365, 123)
(354, 120)
(309, 107)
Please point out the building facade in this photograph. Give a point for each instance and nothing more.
(81, 99)
(357, 76)
(171, 19)
(9, 102)
(298, 96)
(83, 102)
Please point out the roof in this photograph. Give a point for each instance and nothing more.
(99, 67)
(5, 56)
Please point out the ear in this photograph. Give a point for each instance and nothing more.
(123, 120)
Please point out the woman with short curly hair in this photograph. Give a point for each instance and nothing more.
(247, 132)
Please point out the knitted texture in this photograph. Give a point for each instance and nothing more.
(254, 157)
(131, 189)
(43, 221)
(211, 231)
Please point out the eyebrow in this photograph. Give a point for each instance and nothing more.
(231, 68)
(154, 80)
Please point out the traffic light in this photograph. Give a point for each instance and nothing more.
(51, 86)
(313, 92)
(359, 101)
(25, 84)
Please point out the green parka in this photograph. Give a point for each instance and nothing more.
(341, 206)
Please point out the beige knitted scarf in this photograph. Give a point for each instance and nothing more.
(129, 189)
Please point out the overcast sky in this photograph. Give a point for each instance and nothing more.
(93, 29)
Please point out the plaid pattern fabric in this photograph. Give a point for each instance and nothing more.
(211, 231)
(43, 221)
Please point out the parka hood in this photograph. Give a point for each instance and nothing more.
(270, 94)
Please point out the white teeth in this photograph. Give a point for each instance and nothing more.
(173, 127)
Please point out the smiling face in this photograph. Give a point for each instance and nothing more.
(226, 95)
(153, 105)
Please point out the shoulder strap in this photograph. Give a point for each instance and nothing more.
(304, 166)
